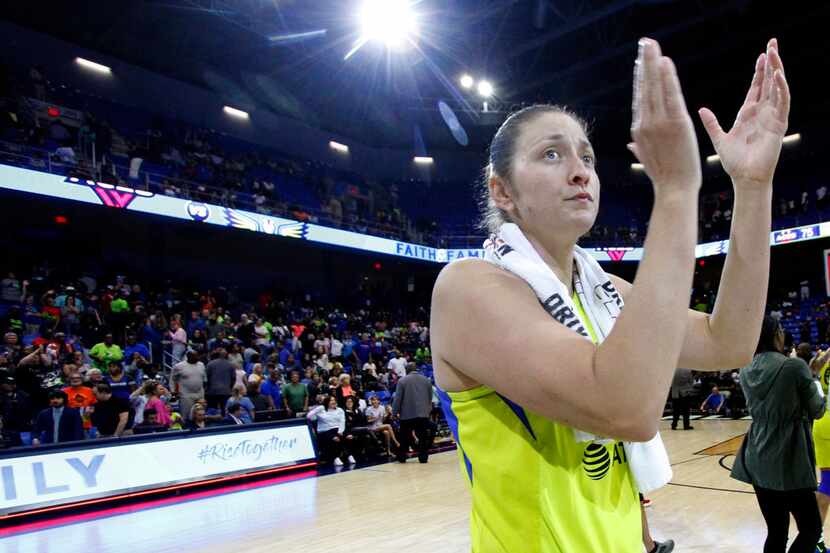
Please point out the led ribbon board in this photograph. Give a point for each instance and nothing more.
(71, 475)
(125, 197)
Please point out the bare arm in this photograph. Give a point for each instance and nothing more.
(122, 423)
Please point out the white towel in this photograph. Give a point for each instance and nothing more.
(601, 303)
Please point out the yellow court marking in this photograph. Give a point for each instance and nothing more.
(726, 447)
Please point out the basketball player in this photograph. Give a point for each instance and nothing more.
(515, 383)
(821, 440)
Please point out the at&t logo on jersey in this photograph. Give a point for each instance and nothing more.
(597, 461)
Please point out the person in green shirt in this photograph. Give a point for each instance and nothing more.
(105, 352)
(295, 395)
(119, 305)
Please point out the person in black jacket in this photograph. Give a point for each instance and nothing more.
(15, 410)
(57, 423)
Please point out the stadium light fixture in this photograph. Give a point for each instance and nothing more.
(485, 89)
(714, 158)
(423, 160)
(389, 21)
(236, 112)
(94, 66)
(338, 147)
(638, 167)
(467, 81)
(792, 138)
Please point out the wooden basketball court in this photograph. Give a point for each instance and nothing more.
(412, 507)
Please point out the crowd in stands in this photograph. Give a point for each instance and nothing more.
(117, 358)
(145, 151)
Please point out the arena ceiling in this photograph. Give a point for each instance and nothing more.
(574, 52)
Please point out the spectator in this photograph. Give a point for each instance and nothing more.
(777, 455)
(260, 401)
(239, 397)
(189, 379)
(221, 375)
(157, 397)
(150, 424)
(104, 352)
(71, 316)
(241, 377)
(234, 416)
(357, 430)
(110, 413)
(94, 377)
(178, 337)
(134, 347)
(344, 389)
(11, 290)
(235, 357)
(271, 388)
(261, 333)
(376, 416)
(57, 423)
(398, 365)
(256, 375)
(295, 395)
(413, 404)
(122, 385)
(331, 424)
(139, 399)
(15, 410)
(196, 418)
(713, 402)
(314, 388)
(79, 397)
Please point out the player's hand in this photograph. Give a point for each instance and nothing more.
(749, 151)
(663, 135)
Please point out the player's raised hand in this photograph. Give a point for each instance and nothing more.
(663, 135)
(749, 151)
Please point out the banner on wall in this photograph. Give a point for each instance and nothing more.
(124, 197)
(67, 476)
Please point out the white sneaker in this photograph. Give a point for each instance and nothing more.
(351, 460)
(338, 462)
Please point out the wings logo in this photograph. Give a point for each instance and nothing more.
(617, 255)
(119, 197)
(198, 211)
(266, 225)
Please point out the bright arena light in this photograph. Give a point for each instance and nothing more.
(466, 81)
(713, 158)
(638, 167)
(792, 138)
(485, 89)
(338, 147)
(92, 65)
(236, 112)
(390, 21)
(423, 160)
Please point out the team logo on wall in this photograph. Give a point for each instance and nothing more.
(198, 211)
(119, 197)
(596, 461)
(266, 225)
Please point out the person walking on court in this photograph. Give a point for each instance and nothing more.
(682, 389)
(777, 455)
(413, 404)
